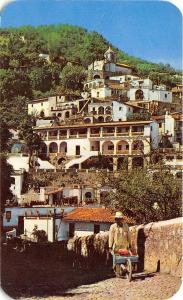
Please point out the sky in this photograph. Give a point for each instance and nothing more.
(145, 29)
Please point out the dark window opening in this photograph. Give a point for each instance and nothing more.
(71, 229)
(96, 228)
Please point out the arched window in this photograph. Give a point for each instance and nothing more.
(101, 110)
(53, 148)
(67, 114)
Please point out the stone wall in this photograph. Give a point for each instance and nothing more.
(159, 246)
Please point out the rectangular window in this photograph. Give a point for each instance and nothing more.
(120, 108)
(165, 95)
(111, 147)
(41, 104)
(32, 105)
(8, 215)
(97, 94)
(71, 229)
(160, 125)
(96, 228)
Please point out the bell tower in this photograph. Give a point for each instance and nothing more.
(110, 56)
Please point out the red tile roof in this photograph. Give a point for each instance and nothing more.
(89, 214)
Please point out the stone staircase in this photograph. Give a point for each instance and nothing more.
(81, 159)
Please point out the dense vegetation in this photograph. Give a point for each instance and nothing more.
(145, 196)
(24, 75)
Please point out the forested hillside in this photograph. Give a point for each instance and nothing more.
(24, 75)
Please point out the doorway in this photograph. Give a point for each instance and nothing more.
(77, 150)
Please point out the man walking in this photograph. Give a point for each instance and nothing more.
(119, 236)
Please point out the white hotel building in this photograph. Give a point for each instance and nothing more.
(75, 144)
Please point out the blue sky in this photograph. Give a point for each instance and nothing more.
(146, 29)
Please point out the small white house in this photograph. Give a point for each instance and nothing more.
(85, 221)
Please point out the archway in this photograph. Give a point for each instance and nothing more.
(139, 95)
(53, 148)
(67, 114)
(43, 148)
(96, 76)
(100, 119)
(122, 147)
(61, 160)
(137, 162)
(87, 120)
(101, 110)
(108, 148)
(137, 147)
(59, 115)
(108, 110)
(63, 147)
(108, 119)
(122, 163)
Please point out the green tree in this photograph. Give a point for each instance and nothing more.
(27, 134)
(6, 169)
(145, 196)
(72, 77)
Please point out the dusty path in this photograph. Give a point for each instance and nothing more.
(37, 275)
(154, 287)
(151, 288)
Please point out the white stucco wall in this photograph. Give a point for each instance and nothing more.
(150, 95)
(16, 188)
(101, 92)
(163, 96)
(120, 111)
(155, 138)
(86, 228)
(42, 224)
(36, 107)
(170, 126)
(82, 228)
(20, 211)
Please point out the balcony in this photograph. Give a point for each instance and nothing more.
(63, 136)
(82, 135)
(125, 133)
(137, 152)
(122, 152)
(136, 133)
(108, 134)
(95, 134)
(52, 137)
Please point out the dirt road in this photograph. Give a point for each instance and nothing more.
(38, 276)
(152, 287)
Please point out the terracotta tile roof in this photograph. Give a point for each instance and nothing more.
(54, 191)
(162, 117)
(89, 214)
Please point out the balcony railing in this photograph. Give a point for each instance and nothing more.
(122, 152)
(137, 132)
(94, 134)
(82, 135)
(52, 137)
(106, 152)
(126, 133)
(137, 151)
(108, 133)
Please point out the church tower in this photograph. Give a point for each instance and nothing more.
(110, 56)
